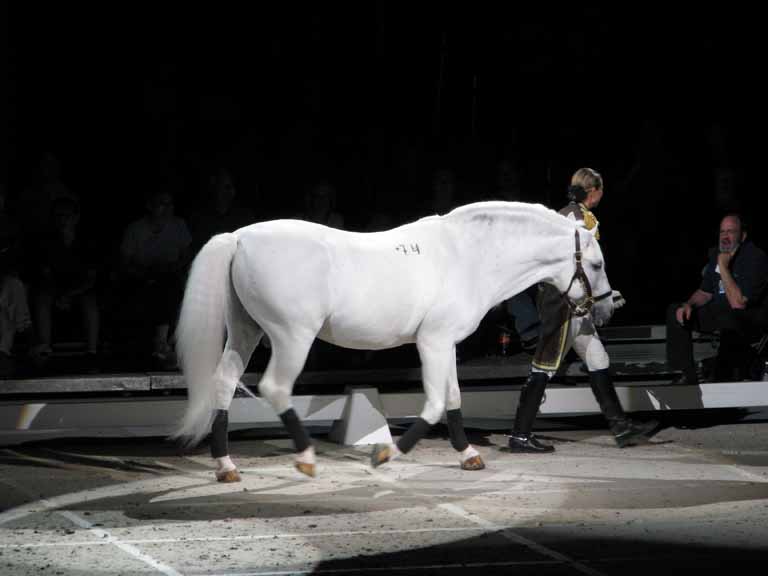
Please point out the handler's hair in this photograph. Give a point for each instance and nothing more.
(582, 181)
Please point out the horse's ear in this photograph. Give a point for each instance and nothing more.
(588, 239)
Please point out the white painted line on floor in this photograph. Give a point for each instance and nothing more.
(250, 537)
(517, 539)
(749, 475)
(102, 535)
(129, 549)
(74, 498)
(506, 532)
(739, 470)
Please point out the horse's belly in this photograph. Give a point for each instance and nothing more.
(364, 337)
(372, 326)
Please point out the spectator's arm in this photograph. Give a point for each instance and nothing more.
(87, 283)
(733, 293)
(699, 298)
(696, 300)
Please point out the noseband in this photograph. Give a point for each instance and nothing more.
(584, 306)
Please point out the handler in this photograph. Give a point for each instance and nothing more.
(560, 330)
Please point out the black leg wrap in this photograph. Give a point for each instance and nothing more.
(219, 430)
(456, 430)
(295, 429)
(416, 432)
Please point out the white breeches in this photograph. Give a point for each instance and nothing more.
(583, 337)
(585, 341)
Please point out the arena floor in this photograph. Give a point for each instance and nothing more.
(696, 500)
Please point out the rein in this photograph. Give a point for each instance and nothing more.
(583, 307)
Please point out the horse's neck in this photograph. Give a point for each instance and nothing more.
(514, 249)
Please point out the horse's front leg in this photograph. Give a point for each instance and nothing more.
(469, 457)
(435, 358)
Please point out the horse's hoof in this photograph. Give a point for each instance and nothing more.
(381, 455)
(306, 468)
(473, 463)
(228, 476)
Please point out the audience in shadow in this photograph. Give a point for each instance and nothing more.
(220, 210)
(64, 284)
(51, 268)
(15, 319)
(320, 205)
(35, 204)
(149, 283)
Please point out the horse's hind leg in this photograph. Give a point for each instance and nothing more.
(469, 458)
(289, 353)
(243, 334)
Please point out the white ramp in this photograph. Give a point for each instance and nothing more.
(363, 420)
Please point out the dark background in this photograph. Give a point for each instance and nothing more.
(374, 96)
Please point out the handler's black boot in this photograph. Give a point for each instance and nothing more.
(522, 439)
(625, 431)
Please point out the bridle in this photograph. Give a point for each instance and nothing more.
(584, 306)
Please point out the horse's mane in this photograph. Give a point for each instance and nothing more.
(496, 208)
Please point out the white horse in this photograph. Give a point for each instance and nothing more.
(429, 282)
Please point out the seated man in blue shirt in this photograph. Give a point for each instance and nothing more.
(732, 285)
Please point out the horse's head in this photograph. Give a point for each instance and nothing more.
(589, 291)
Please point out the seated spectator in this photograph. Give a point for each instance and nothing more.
(15, 322)
(65, 273)
(734, 280)
(35, 206)
(220, 212)
(154, 255)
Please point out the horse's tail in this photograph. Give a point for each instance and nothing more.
(200, 332)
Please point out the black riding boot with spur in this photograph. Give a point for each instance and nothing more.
(625, 431)
(522, 439)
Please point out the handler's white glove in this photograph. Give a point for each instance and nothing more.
(618, 299)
